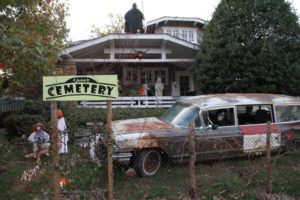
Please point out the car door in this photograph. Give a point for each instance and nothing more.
(220, 136)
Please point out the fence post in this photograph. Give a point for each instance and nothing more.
(54, 152)
(269, 163)
(192, 156)
(109, 151)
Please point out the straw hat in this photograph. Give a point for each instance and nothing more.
(36, 125)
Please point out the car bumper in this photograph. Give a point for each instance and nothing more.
(122, 158)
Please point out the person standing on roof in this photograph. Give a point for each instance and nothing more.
(134, 20)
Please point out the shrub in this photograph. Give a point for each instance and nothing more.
(36, 108)
(21, 124)
(76, 118)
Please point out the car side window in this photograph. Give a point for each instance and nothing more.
(254, 114)
(288, 113)
(219, 117)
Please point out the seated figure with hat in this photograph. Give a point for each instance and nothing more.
(40, 141)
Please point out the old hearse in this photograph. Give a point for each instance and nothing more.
(227, 125)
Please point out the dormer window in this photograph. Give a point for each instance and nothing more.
(188, 34)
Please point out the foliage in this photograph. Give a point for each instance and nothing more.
(76, 118)
(32, 34)
(251, 46)
(37, 107)
(18, 125)
(116, 25)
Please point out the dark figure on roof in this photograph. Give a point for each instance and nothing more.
(134, 20)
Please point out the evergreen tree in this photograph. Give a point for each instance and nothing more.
(251, 46)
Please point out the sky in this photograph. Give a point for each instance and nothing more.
(85, 13)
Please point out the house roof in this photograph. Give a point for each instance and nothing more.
(123, 47)
(131, 38)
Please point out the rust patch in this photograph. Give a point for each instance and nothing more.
(139, 125)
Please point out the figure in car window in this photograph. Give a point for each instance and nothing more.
(222, 118)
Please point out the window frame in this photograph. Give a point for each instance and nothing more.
(220, 108)
(178, 33)
(275, 113)
(199, 115)
(147, 70)
(272, 114)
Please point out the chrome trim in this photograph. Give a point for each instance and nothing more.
(122, 158)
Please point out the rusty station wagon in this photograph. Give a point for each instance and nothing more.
(227, 125)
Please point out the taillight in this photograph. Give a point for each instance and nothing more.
(288, 136)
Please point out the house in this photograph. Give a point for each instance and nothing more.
(166, 50)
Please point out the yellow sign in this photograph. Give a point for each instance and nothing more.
(80, 88)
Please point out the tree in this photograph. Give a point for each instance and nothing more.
(251, 46)
(116, 25)
(32, 35)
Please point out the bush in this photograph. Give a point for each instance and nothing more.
(21, 124)
(36, 108)
(76, 118)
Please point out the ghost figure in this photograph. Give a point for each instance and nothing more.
(175, 90)
(159, 87)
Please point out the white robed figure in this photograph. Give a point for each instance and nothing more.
(159, 87)
(63, 135)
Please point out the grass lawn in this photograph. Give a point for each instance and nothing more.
(229, 179)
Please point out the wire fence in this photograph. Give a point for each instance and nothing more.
(195, 167)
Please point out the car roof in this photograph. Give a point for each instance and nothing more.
(231, 99)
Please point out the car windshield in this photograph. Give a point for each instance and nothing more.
(181, 114)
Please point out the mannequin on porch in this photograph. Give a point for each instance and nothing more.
(159, 87)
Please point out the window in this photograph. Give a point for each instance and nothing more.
(184, 34)
(130, 76)
(288, 113)
(220, 117)
(254, 114)
(191, 36)
(187, 34)
(147, 75)
(175, 32)
(181, 114)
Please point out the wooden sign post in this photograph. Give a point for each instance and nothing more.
(54, 152)
(109, 151)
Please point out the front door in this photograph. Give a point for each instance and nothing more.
(185, 81)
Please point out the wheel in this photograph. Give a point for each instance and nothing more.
(148, 162)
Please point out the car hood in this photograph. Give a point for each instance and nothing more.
(139, 125)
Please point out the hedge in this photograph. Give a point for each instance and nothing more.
(20, 123)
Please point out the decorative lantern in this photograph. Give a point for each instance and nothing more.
(63, 182)
(3, 72)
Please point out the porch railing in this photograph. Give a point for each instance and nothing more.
(135, 102)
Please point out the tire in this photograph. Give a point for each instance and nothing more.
(148, 162)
